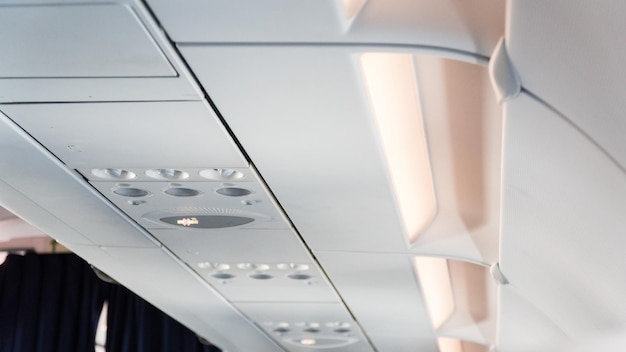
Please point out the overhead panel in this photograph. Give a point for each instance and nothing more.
(87, 223)
(431, 186)
(165, 205)
(563, 206)
(308, 127)
(158, 277)
(398, 321)
(87, 51)
(469, 26)
(30, 170)
(123, 135)
(338, 171)
(235, 246)
(305, 327)
(252, 265)
(98, 40)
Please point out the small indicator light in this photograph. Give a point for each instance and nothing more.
(308, 342)
(187, 221)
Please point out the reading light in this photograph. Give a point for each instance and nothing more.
(321, 342)
(215, 266)
(394, 98)
(113, 174)
(253, 266)
(308, 342)
(167, 174)
(292, 266)
(205, 265)
(221, 174)
(250, 202)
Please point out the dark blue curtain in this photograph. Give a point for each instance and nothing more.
(48, 303)
(51, 303)
(135, 325)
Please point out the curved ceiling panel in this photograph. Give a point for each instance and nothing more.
(562, 222)
(571, 54)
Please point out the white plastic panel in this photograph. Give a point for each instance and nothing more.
(157, 204)
(524, 327)
(98, 40)
(187, 174)
(142, 134)
(297, 318)
(302, 107)
(312, 100)
(473, 26)
(564, 202)
(67, 50)
(32, 171)
(219, 254)
(39, 217)
(163, 281)
(384, 295)
(271, 285)
(237, 246)
(571, 54)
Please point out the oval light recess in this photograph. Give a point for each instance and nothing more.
(233, 191)
(131, 192)
(182, 192)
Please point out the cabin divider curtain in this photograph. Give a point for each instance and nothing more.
(52, 303)
(135, 325)
(48, 303)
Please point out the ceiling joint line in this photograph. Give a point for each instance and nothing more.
(606, 153)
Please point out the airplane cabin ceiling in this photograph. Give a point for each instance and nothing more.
(345, 175)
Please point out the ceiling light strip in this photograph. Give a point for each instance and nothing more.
(394, 98)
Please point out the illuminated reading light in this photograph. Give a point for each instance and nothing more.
(394, 98)
(308, 342)
(434, 278)
(187, 221)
